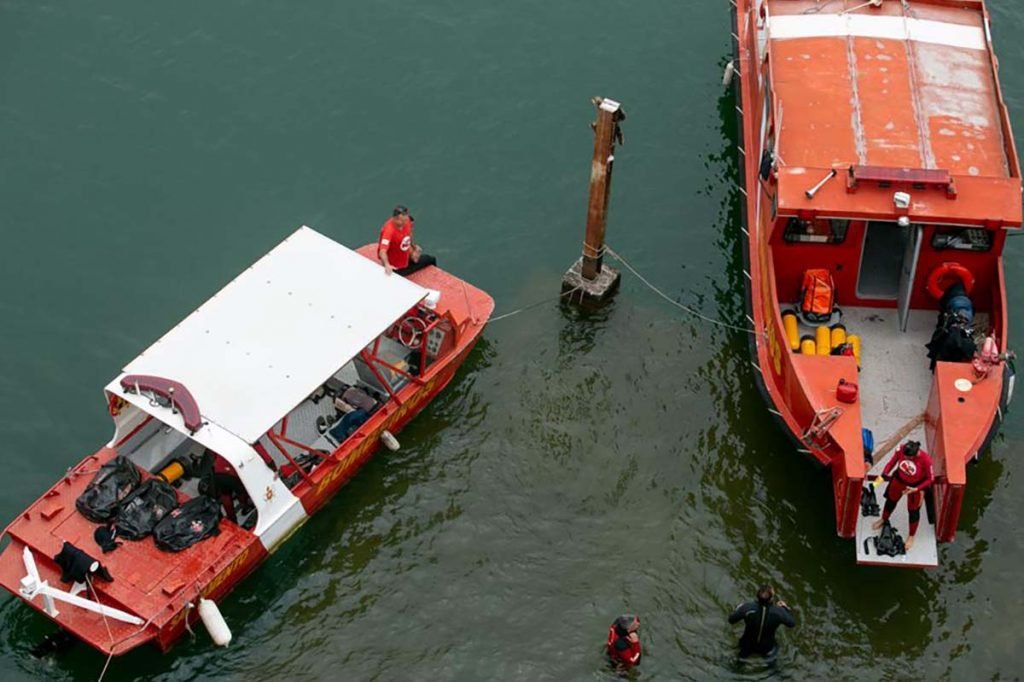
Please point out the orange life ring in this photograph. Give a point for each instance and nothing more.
(940, 279)
(115, 405)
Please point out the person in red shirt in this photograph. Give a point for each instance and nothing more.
(396, 249)
(909, 472)
(623, 642)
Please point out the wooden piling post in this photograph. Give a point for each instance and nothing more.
(590, 280)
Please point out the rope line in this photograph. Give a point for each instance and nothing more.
(608, 250)
(594, 252)
(684, 308)
(534, 305)
(95, 597)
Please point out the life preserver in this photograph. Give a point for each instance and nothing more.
(939, 279)
(115, 405)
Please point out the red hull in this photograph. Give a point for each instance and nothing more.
(809, 73)
(159, 586)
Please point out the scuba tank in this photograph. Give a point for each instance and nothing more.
(789, 323)
(824, 340)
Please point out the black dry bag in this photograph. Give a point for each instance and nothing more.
(113, 483)
(188, 524)
(144, 508)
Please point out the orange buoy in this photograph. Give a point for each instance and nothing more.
(789, 323)
(942, 277)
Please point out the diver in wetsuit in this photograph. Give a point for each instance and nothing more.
(762, 619)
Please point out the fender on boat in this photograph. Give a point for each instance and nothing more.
(215, 624)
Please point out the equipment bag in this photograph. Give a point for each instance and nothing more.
(183, 527)
(817, 295)
(113, 483)
(887, 543)
(144, 508)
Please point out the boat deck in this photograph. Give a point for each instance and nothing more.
(894, 377)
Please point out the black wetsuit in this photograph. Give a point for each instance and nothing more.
(761, 623)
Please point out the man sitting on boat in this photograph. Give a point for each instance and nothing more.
(396, 249)
(909, 472)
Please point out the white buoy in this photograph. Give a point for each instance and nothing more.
(215, 624)
(730, 69)
(389, 440)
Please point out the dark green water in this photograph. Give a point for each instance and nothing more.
(577, 467)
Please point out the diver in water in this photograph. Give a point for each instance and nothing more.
(762, 619)
(623, 642)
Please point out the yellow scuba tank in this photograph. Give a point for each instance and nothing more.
(824, 340)
(838, 335)
(854, 341)
(807, 345)
(792, 331)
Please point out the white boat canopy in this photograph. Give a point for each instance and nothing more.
(268, 339)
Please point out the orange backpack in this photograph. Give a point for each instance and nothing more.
(817, 295)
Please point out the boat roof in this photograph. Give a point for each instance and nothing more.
(268, 339)
(905, 85)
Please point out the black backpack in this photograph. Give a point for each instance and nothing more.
(146, 506)
(112, 483)
(183, 527)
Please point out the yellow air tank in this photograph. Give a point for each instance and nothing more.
(172, 472)
(792, 332)
(838, 335)
(824, 340)
(854, 341)
(807, 345)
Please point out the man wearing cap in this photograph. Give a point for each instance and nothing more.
(396, 249)
(909, 472)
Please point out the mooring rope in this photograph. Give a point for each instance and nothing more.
(534, 305)
(684, 308)
(95, 597)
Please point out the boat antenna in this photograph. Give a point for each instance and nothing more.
(814, 190)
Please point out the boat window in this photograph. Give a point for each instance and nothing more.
(818, 230)
(962, 239)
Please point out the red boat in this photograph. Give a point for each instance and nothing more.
(880, 183)
(266, 399)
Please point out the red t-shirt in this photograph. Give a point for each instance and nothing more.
(913, 472)
(398, 242)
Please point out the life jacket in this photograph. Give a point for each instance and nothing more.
(622, 649)
(817, 295)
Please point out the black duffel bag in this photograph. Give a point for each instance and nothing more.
(113, 483)
(145, 507)
(183, 527)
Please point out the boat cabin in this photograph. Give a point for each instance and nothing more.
(253, 392)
